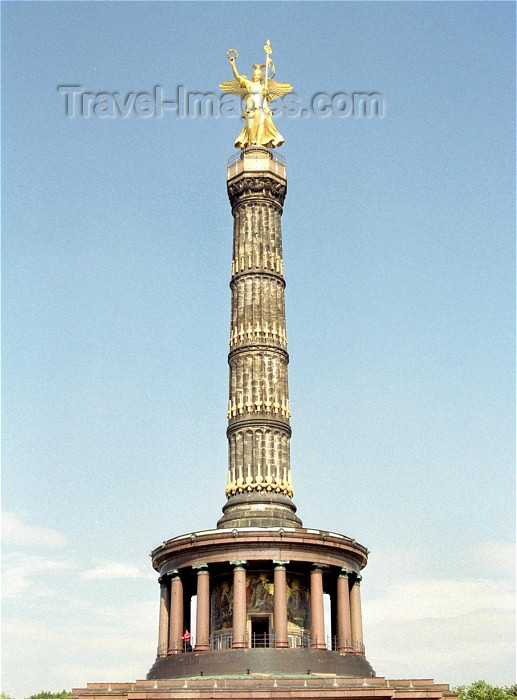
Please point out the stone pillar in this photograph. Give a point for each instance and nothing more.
(203, 608)
(356, 616)
(176, 616)
(259, 430)
(165, 606)
(344, 628)
(317, 619)
(280, 604)
(239, 604)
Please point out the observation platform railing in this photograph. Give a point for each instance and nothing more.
(258, 159)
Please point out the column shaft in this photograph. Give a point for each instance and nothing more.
(239, 608)
(280, 607)
(344, 629)
(317, 619)
(176, 617)
(356, 617)
(163, 626)
(203, 611)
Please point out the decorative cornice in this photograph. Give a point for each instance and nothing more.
(262, 348)
(258, 421)
(259, 544)
(257, 187)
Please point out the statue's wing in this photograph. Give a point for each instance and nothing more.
(275, 90)
(234, 87)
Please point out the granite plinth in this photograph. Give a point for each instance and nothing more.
(265, 687)
(272, 661)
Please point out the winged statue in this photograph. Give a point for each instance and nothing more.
(256, 94)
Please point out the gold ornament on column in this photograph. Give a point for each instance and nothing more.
(257, 93)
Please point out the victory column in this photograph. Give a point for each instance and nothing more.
(260, 577)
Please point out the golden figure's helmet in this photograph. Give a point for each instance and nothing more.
(257, 70)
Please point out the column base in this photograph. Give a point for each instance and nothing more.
(202, 647)
(281, 645)
(259, 510)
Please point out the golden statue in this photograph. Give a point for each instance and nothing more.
(257, 93)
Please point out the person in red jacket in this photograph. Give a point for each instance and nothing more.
(186, 641)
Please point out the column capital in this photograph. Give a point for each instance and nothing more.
(358, 579)
(344, 573)
(257, 186)
(201, 568)
(280, 563)
(173, 573)
(318, 567)
(238, 564)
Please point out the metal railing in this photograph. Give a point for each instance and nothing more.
(269, 162)
(267, 641)
(347, 645)
(221, 640)
(262, 640)
(276, 157)
(300, 641)
(184, 647)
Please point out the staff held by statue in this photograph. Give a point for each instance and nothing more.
(268, 50)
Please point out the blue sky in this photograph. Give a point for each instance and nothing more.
(398, 243)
